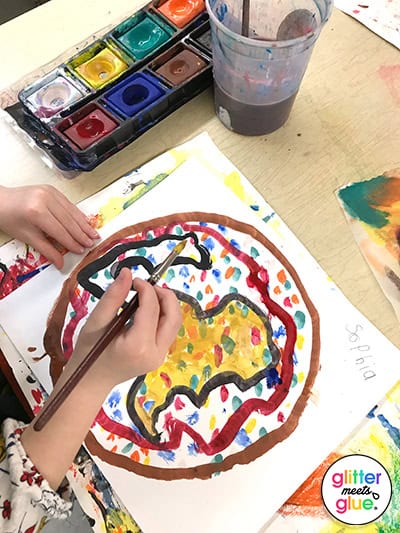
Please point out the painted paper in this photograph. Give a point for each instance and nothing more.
(380, 16)
(372, 208)
(284, 269)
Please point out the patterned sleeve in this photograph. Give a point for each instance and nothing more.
(26, 499)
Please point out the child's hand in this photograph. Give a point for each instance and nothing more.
(140, 348)
(34, 213)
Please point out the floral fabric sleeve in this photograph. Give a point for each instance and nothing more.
(26, 499)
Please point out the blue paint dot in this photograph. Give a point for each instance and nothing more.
(255, 207)
(273, 378)
(193, 418)
(371, 414)
(235, 244)
(167, 455)
(242, 438)
(193, 448)
(217, 274)
(152, 259)
(117, 415)
(148, 405)
(222, 228)
(203, 224)
(280, 332)
(184, 271)
(209, 243)
(114, 399)
(186, 286)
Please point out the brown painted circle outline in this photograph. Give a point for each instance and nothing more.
(52, 344)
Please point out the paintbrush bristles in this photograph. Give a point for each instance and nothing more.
(179, 247)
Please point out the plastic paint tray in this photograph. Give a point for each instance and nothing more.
(95, 102)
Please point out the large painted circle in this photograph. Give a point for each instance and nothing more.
(238, 377)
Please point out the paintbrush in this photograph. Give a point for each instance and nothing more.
(113, 329)
(245, 17)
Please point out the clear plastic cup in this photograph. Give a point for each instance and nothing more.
(259, 59)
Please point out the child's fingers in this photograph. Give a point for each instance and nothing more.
(147, 315)
(110, 302)
(170, 318)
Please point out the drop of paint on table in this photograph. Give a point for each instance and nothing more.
(31, 349)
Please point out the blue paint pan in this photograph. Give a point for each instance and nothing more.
(134, 94)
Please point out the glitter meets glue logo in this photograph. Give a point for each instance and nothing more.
(356, 489)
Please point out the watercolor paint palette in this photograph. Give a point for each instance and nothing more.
(109, 93)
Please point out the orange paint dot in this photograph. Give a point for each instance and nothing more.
(229, 272)
(144, 451)
(281, 276)
(114, 449)
(277, 290)
(295, 299)
(193, 332)
(135, 456)
(224, 253)
(209, 289)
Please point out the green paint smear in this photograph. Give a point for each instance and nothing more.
(181, 331)
(199, 296)
(287, 284)
(227, 259)
(141, 252)
(178, 230)
(228, 344)
(258, 389)
(169, 275)
(210, 320)
(245, 311)
(141, 191)
(189, 347)
(390, 520)
(181, 365)
(236, 274)
(207, 371)
(194, 381)
(262, 432)
(357, 199)
(233, 290)
(294, 381)
(127, 448)
(94, 276)
(236, 402)
(218, 458)
(231, 310)
(107, 274)
(299, 319)
(143, 388)
(203, 329)
(266, 356)
(254, 252)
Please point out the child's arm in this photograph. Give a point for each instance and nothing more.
(137, 350)
(34, 213)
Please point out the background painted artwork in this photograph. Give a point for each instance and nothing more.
(372, 208)
(380, 16)
(198, 185)
(377, 437)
